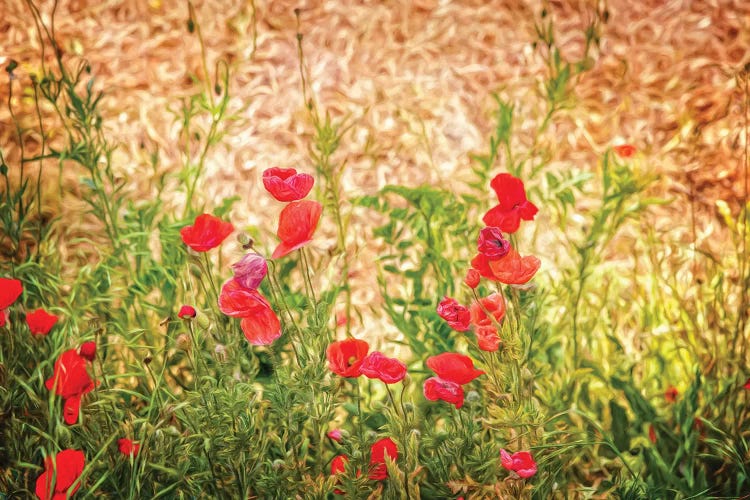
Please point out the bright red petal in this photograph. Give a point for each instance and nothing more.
(508, 220)
(453, 367)
(297, 223)
(509, 190)
(285, 184)
(514, 269)
(71, 408)
(40, 322)
(206, 233)
(239, 302)
(262, 328)
(10, 290)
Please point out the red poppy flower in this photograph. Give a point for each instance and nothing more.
(59, 475)
(297, 223)
(262, 327)
(250, 270)
(389, 370)
(338, 466)
(10, 290)
(128, 447)
(206, 233)
(747, 385)
(521, 462)
(71, 381)
(485, 327)
(436, 388)
(457, 316)
(186, 312)
(285, 184)
(453, 367)
(511, 269)
(624, 150)
(513, 205)
(379, 450)
(345, 357)
(239, 302)
(491, 243)
(671, 394)
(40, 322)
(472, 278)
(88, 350)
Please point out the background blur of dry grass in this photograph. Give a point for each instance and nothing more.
(416, 78)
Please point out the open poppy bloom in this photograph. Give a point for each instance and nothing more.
(379, 450)
(345, 357)
(259, 323)
(624, 150)
(485, 328)
(512, 269)
(512, 204)
(388, 370)
(71, 381)
(250, 270)
(521, 462)
(285, 184)
(59, 475)
(88, 350)
(10, 290)
(457, 316)
(206, 233)
(128, 447)
(491, 243)
(297, 223)
(453, 367)
(40, 322)
(436, 388)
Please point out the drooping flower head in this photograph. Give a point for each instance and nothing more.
(436, 388)
(379, 450)
(453, 367)
(40, 322)
(10, 290)
(285, 184)
(59, 475)
(208, 232)
(250, 270)
(128, 447)
(512, 269)
(71, 381)
(472, 278)
(297, 223)
(88, 350)
(521, 462)
(456, 315)
(491, 243)
(512, 204)
(345, 357)
(485, 327)
(388, 370)
(259, 322)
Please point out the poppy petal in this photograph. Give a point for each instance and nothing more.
(10, 290)
(239, 302)
(262, 328)
(297, 223)
(285, 184)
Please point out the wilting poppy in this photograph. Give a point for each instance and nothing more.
(128, 447)
(457, 316)
(388, 370)
(671, 394)
(436, 388)
(186, 312)
(59, 475)
(472, 278)
(10, 290)
(285, 184)
(511, 269)
(70, 380)
(250, 270)
(262, 327)
(239, 302)
(206, 233)
(521, 462)
(485, 328)
(491, 243)
(512, 204)
(453, 367)
(379, 450)
(297, 223)
(624, 150)
(345, 357)
(88, 350)
(40, 322)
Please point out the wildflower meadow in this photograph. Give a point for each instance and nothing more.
(532, 326)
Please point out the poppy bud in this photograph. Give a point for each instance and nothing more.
(186, 312)
(335, 435)
(183, 342)
(147, 360)
(472, 278)
(250, 270)
(472, 397)
(88, 350)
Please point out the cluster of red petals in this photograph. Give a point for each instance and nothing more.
(71, 381)
(491, 243)
(10, 290)
(453, 367)
(521, 462)
(671, 394)
(206, 233)
(379, 450)
(59, 475)
(187, 312)
(297, 223)
(512, 269)
(40, 322)
(88, 350)
(345, 357)
(456, 315)
(128, 447)
(512, 204)
(259, 323)
(486, 327)
(436, 389)
(388, 370)
(624, 150)
(285, 184)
